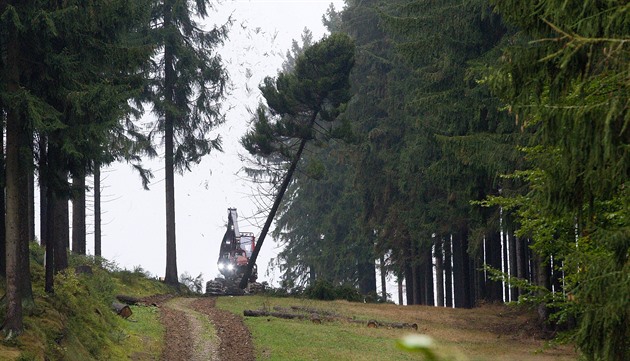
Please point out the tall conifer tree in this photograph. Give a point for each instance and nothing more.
(189, 81)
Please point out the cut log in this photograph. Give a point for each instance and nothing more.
(318, 318)
(260, 313)
(121, 309)
(129, 300)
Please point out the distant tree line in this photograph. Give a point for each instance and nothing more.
(482, 157)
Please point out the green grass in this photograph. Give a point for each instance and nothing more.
(489, 333)
(279, 339)
(144, 334)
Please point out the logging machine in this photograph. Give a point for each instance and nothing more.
(234, 254)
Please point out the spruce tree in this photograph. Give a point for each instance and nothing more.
(565, 77)
(187, 85)
(297, 103)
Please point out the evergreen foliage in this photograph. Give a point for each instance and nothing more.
(300, 105)
(566, 79)
(187, 83)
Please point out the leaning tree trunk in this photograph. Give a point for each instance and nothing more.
(78, 215)
(274, 207)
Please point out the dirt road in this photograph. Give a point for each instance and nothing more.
(197, 331)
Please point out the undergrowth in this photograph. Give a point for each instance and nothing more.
(76, 321)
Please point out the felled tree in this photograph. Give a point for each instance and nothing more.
(313, 94)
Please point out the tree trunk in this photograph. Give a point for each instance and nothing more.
(58, 222)
(512, 263)
(25, 208)
(448, 270)
(457, 272)
(43, 191)
(170, 77)
(274, 207)
(15, 175)
(408, 283)
(31, 200)
(504, 263)
(461, 270)
(429, 297)
(493, 250)
(383, 278)
(49, 263)
(78, 215)
(3, 253)
(439, 271)
(400, 290)
(97, 209)
(367, 277)
(520, 262)
(415, 279)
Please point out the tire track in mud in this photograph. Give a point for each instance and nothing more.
(197, 331)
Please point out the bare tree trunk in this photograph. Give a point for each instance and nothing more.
(367, 277)
(13, 324)
(493, 250)
(3, 254)
(448, 271)
(78, 215)
(429, 296)
(43, 191)
(415, 291)
(49, 263)
(408, 282)
(383, 278)
(512, 262)
(97, 209)
(31, 203)
(400, 291)
(58, 222)
(171, 276)
(457, 271)
(439, 271)
(520, 264)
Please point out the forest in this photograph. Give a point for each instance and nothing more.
(476, 150)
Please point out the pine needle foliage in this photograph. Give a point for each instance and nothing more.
(566, 77)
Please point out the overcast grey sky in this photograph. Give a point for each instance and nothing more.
(134, 219)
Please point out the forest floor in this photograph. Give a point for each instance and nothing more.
(196, 330)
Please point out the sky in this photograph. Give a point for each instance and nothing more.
(134, 219)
